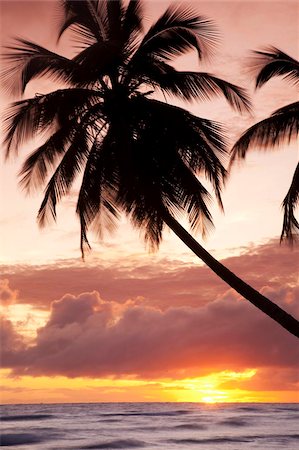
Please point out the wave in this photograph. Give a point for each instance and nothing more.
(145, 428)
(147, 414)
(293, 436)
(291, 408)
(232, 422)
(190, 426)
(117, 444)
(279, 436)
(274, 437)
(292, 417)
(221, 440)
(13, 418)
(249, 408)
(11, 440)
(109, 420)
(232, 439)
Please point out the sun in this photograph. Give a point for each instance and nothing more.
(209, 399)
(214, 396)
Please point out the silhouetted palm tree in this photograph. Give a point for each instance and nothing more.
(138, 155)
(281, 126)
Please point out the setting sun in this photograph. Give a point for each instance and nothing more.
(210, 399)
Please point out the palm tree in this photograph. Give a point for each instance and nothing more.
(281, 126)
(137, 155)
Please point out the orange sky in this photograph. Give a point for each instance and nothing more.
(130, 326)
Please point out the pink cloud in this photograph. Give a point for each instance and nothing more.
(88, 336)
(162, 283)
(12, 344)
(7, 295)
(271, 379)
(72, 309)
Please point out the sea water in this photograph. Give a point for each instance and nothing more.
(157, 426)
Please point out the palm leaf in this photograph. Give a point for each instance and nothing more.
(282, 125)
(275, 63)
(177, 30)
(36, 167)
(29, 61)
(88, 18)
(132, 25)
(38, 164)
(96, 200)
(156, 185)
(64, 175)
(21, 122)
(290, 227)
(192, 196)
(210, 155)
(163, 166)
(26, 118)
(200, 142)
(195, 85)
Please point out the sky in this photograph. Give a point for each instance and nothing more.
(129, 325)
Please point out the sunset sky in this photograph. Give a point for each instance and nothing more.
(128, 325)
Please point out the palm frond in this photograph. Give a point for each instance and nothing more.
(96, 200)
(38, 164)
(192, 196)
(178, 30)
(274, 62)
(29, 60)
(282, 125)
(291, 108)
(163, 166)
(132, 24)
(36, 167)
(200, 142)
(211, 85)
(211, 154)
(86, 17)
(63, 177)
(81, 35)
(196, 85)
(154, 185)
(290, 227)
(26, 118)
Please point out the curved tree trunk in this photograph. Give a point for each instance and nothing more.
(263, 303)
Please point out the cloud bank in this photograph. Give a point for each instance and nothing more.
(90, 337)
(162, 283)
(167, 320)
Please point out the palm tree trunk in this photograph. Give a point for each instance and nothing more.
(263, 303)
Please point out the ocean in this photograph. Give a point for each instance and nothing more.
(157, 426)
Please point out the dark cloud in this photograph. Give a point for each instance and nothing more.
(88, 336)
(72, 309)
(13, 346)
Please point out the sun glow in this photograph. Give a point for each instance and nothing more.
(218, 387)
(215, 388)
(25, 318)
(209, 399)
